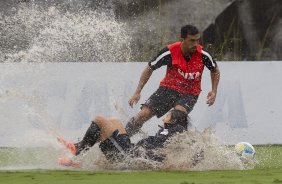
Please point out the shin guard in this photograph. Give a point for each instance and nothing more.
(91, 136)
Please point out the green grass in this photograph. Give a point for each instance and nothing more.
(269, 156)
(269, 170)
(162, 177)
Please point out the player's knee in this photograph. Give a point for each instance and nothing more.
(181, 108)
(117, 124)
(145, 114)
(99, 120)
(114, 119)
(180, 117)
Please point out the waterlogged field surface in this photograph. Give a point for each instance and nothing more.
(267, 170)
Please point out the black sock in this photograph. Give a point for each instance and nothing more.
(90, 138)
(131, 127)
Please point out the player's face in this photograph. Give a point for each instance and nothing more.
(191, 42)
(167, 118)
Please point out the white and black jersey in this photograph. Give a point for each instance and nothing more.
(164, 58)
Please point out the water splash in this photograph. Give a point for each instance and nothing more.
(191, 150)
(200, 151)
(41, 128)
(33, 34)
(36, 32)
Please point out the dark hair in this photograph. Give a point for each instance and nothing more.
(188, 30)
(179, 117)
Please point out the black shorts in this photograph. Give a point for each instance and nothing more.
(161, 101)
(147, 147)
(116, 147)
(152, 142)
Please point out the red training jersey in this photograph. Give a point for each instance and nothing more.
(184, 76)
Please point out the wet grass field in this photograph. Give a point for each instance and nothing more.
(268, 170)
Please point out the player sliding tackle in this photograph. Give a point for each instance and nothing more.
(180, 88)
(115, 143)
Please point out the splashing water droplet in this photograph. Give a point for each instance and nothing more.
(33, 34)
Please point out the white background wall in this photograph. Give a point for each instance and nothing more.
(39, 101)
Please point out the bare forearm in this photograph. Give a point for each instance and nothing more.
(215, 76)
(146, 74)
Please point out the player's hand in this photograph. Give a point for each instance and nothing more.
(134, 99)
(211, 98)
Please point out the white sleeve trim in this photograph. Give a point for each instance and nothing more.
(161, 56)
(209, 56)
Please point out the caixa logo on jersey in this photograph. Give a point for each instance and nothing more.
(189, 76)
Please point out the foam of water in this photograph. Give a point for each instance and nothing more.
(41, 127)
(33, 34)
(213, 156)
(180, 154)
(189, 151)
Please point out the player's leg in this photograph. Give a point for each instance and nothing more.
(100, 129)
(91, 136)
(158, 104)
(135, 123)
(185, 104)
(108, 126)
(115, 143)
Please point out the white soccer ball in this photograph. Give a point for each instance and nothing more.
(245, 151)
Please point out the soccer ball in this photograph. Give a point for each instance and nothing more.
(245, 151)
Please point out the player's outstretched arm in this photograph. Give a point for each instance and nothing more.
(215, 76)
(146, 74)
